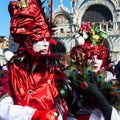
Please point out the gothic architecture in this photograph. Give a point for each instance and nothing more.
(106, 13)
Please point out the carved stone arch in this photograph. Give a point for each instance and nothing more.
(97, 13)
(61, 11)
(61, 15)
(63, 22)
(85, 6)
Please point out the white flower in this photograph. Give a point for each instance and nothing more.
(79, 39)
(85, 35)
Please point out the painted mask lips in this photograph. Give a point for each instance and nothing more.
(95, 67)
(43, 51)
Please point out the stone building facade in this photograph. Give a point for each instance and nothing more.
(106, 13)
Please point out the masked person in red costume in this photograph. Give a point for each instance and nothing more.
(35, 79)
(95, 88)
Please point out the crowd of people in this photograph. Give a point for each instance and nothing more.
(36, 83)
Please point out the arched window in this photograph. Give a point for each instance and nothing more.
(61, 30)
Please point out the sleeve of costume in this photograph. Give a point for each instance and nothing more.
(115, 114)
(8, 111)
(97, 115)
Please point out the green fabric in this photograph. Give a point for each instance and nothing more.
(118, 107)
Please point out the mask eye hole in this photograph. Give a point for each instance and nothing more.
(47, 39)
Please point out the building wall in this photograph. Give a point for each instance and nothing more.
(82, 10)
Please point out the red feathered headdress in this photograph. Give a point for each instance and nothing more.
(94, 44)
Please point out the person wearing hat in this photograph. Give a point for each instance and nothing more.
(4, 45)
(95, 87)
(35, 82)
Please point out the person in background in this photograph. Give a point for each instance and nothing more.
(2, 59)
(9, 111)
(4, 44)
(65, 62)
(95, 87)
(117, 70)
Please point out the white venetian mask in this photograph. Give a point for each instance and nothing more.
(96, 63)
(41, 46)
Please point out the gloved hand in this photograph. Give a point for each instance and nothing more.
(101, 101)
(89, 87)
(75, 105)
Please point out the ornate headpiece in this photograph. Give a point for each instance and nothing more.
(28, 22)
(95, 45)
(93, 33)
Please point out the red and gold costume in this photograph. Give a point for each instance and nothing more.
(38, 88)
(34, 78)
